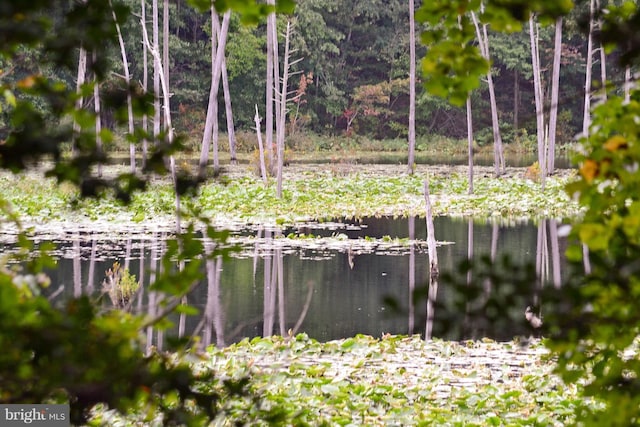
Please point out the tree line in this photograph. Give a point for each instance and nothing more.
(352, 71)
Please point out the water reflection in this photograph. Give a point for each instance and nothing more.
(278, 285)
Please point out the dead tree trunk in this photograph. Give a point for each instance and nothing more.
(433, 265)
(412, 89)
(82, 72)
(227, 94)
(282, 108)
(537, 86)
(498, 155)
(127, 78)
(263, 168)
(555, 89)
(145, 82)
(156, 71)
(167, 121)
(273, 80)
(586, 120)
(212, 109)
(470, 144)
(96, 107)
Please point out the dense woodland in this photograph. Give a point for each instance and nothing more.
(352, 74)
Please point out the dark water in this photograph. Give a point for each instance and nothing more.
(275, 286)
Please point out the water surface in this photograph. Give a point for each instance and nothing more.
(330, 284)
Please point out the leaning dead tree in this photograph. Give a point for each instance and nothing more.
(216, 72)
(127, 79)
(498, 155)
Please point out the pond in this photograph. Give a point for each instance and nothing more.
(329, 280)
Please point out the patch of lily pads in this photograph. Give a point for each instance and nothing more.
(241, 199)
(336, 243)
(390, 381)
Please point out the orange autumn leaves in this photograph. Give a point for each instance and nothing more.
(590, 168)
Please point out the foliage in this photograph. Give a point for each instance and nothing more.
(596, 334)
(395, 380)
(592, 321)
(452, 65)
(74, 352)
(308, 194)
(120, 284)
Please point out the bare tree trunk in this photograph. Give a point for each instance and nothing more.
(273, 80)
(586, 121)
(82, 72)
(555, 89)
(156, 70)
(433, 265)
(603, 59)
(412, 88)
(227, 95)
(127, 78)
(165, 42)
(281, 116)
(263, 168)
(167, 121)
(498, 155)
(216, 71)
(470, 144)
(145, 81)
(96, 105)
(516, 100)
(537, 86)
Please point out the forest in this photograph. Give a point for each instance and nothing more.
(79, 78)
(349, 72)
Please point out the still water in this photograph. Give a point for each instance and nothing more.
(329, 280)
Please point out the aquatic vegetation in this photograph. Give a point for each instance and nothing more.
(120, 285)
(394, 380)
(307, 195)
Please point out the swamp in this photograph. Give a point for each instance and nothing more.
(317, 302)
